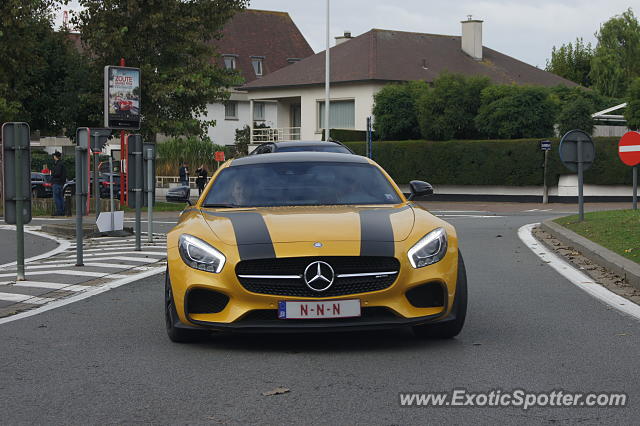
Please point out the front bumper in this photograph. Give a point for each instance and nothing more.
(238, 315)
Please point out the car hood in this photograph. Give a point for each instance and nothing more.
(314, 224)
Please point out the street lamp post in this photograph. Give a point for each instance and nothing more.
(327, 77)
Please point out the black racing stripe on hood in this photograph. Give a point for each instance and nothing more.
(376, 232)
(252, 235)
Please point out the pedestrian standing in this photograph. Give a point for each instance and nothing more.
(184, 174)
(201, 178)
(58, 179)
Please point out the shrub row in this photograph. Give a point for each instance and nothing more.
(489, 162)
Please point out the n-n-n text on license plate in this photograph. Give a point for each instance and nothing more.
(318, 309)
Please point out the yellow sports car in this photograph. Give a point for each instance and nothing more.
(309, 241)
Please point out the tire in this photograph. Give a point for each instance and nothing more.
(177, 335)
(449, 329)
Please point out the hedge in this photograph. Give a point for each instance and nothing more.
(489, 162)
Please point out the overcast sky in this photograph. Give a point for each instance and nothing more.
(525, 29)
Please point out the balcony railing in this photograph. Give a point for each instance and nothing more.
(275, 135)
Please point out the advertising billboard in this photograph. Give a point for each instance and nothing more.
(121, 97)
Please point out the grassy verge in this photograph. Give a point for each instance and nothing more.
(617, 230)
(162, 206)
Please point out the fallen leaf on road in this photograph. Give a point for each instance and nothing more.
(276, 391)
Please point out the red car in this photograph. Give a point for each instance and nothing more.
(123, 105)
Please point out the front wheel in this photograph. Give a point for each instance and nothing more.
(451, 328)
(177, 335)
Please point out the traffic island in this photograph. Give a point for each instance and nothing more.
(68, 230)
(607, 228)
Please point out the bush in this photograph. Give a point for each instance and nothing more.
(492, 162)
(576, 114)
(447, 110)
(342, 135)
(39, 159)
(194, 151)
(395, 110)
(514, 112)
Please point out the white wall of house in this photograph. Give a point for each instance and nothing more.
(224, 132)
(361, 93)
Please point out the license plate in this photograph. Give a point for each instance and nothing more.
(320, 309)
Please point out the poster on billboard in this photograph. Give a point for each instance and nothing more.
(121, 97)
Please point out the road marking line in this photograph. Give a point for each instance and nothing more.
(459, 211)
(66, 264)
(67, 272)
(84, 295)
(123, 247)
(577, 277)
(147, 253)
(62, 245)
(24, 298)
(98, 258)
(53, 286)
(467, 215)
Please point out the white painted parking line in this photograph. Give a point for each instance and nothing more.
(577, 277)
(24, 298)
(67, 272)
(40, 284)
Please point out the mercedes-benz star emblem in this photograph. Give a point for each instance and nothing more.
(319, 276)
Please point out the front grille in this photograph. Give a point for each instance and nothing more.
(375, 313)
(289, 266)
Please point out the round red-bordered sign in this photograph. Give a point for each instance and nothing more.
(629, 149)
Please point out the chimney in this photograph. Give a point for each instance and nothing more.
(346, 37)
(472, 38)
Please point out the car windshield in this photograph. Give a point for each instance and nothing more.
(300, 184)
(314, 148)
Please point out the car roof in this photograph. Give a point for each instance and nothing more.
(299, 157)
(303, 143)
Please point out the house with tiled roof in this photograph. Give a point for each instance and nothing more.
(257, 43)
(361, 66)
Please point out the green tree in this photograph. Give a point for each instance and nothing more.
(576, 114)
(170, 41)
(632, 111)
(395, 110)
(447, 111)
(40, 73)
(616, 59)
(512, 112)
(572, 61)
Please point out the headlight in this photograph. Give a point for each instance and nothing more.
(430, 249)
(200, 255)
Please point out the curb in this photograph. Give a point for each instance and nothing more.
(626, 268)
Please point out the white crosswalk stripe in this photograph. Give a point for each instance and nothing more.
(40, 284)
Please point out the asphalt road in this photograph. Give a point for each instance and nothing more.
(107, 359)
(33, 245)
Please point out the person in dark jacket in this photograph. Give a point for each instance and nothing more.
(184, 174)
(201, 178)
(58, 179)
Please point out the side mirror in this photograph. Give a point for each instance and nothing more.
(420, 189)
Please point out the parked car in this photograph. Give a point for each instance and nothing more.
(103, 182)
(298, 146)
(41, 185)
(179, 194)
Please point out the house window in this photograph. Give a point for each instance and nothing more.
(230, 62)
(231, 110)
(257, 65)
(258, 111)
(342, 115)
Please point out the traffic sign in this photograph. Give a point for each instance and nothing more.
(219, 156)
(545, 145)
(16, 159)
(569, 150)
(629, 149)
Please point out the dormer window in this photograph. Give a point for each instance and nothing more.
(229, 62)
(256, 61)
